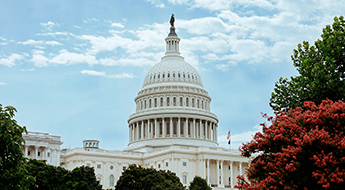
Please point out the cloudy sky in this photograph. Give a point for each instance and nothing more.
(73, 68)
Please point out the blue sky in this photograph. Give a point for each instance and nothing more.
(73, 68)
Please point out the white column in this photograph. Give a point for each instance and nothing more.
(137, 130)
(221, 172)
(193, 128)
(231, 174)
(149, 129)
(216, 133)
(179, 127)
(171, 127)
(43, 153)
(156, 129)
(36, 152)
(217, 172)
(201, 130)
(206, 129)
(208, 171)
(132, 128)
(204, 168)
(186, 128)
(55, 156)
(142, 130)
(163, 127)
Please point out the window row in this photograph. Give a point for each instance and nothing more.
(171, 76)
(174, 101)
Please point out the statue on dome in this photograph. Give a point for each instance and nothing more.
(172, 20)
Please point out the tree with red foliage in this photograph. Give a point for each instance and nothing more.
(301, 149)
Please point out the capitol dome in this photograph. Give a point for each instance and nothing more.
(172, 107)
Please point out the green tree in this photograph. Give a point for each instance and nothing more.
(82, 178)
(139, 178)
(12, 172)
(46, 176)
(57, 178)
(321, 68)
(199, 183)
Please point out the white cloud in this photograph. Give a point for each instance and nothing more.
(32, 69)
(11, 60)
(118, 25)
(157, 3)
(122, 75)
(54, 34)
(93, 73)
(49, 25)
(2, 84)
(39, 59)
(103, 74)
(66, 57)
(39, 42)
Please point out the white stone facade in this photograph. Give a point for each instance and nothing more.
(210, 163)
(42, 146)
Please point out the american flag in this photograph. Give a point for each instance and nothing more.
(228, 137)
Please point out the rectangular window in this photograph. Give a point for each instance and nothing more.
(28, 153)
(159, 166)
(48, 154)
(98, 165)
(39, 154)
(184, 163)
(184, 179)
(124, 168)
(88, 164)
(167, 164)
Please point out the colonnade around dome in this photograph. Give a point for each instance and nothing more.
(179, 127)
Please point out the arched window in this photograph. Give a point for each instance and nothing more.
(161, 102)
(197, 103)
(145, 104)
(111, 181)
(202, 104)
(187, 102)
(141, 107)
(155, 102)
(168, 101)
(174, 101)
(168, 128)
(193, 102)
(181, 101)
(150, 103)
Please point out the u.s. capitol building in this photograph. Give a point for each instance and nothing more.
(172, 129)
